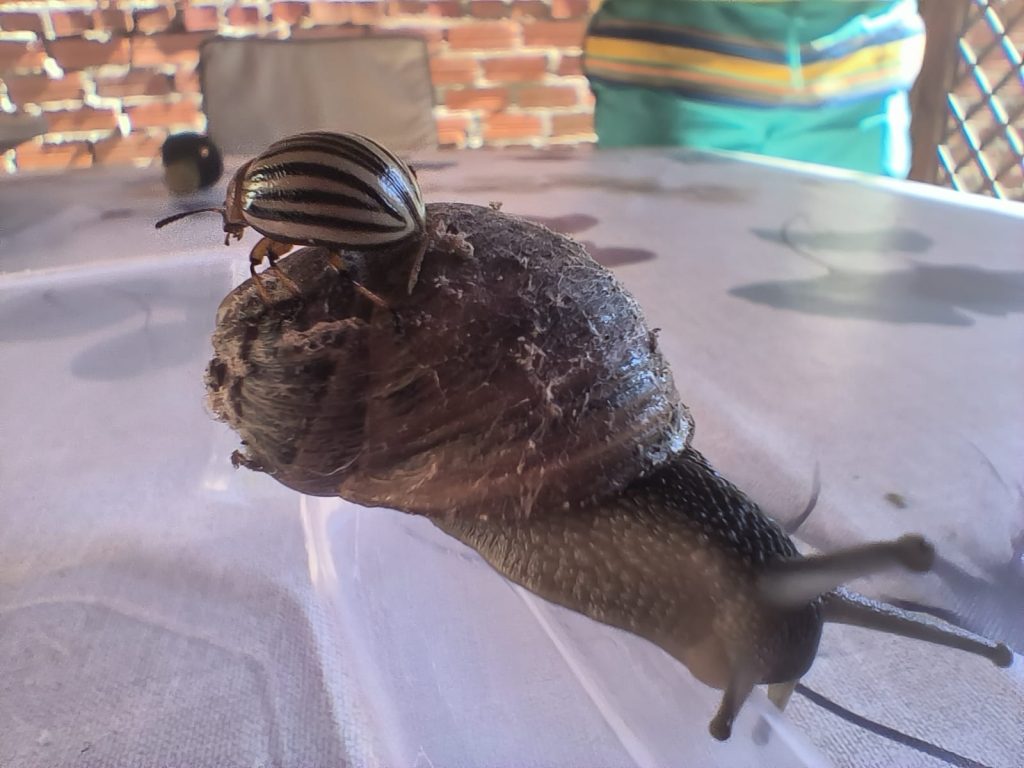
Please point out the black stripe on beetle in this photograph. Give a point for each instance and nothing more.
(355, 149)
(353, 154)
(317, 172)
(324, 220)
(318, 197)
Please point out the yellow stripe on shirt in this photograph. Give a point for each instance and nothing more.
(893, 57)
(874, 68)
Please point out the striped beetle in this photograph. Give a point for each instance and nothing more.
(341, 191)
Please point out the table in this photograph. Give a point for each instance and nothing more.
(158, 606)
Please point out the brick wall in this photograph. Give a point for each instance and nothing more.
(113, 77)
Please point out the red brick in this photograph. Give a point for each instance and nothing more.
(289, 12)
(325, 11)
(163, 114)
(84, 119)
(452, 130)
(557, 34)
(483, 35)
(78, 53)
(138, 82)
(180, 49)
(201, 18)
(15, 54)
(39, 89)
(486, 99)
(515, 69)
(38, 157)
(70, 23)
(111, 20)
(547, 96)
(438, 8)
(330, 13)
(366, 13)
(570, 65)
(151, 20)
(453, 71)
(490, 9)
(21, 22)
(578, 124)
(125, 150)
(569, 9)
(247, 15)
(504, 127)
(186, 81)
(533, 9)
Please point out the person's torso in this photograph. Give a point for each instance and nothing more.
(792, 53)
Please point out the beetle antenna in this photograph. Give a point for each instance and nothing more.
(177, 216)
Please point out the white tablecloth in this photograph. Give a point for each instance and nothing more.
(158, 607)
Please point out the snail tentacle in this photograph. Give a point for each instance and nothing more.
(799, 580)
(844, 606)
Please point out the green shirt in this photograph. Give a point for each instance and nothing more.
(806, 53)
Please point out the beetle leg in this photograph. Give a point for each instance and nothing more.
(414, 272)
(258, 282)
(289, 283)
(338, 264)
(271, 250)
(256, 256)
(232, 231)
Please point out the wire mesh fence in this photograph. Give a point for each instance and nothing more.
(982, 149)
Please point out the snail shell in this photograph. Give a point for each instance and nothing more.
(523, 381)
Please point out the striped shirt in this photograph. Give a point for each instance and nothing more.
(865, 55)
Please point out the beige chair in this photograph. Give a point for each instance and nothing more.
(18, 128)
(256, 91)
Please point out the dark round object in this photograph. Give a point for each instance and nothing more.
(191, 162)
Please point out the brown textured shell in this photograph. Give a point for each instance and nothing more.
(518, 376)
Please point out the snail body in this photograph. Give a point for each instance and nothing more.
(523, 405)
(341, 191)
(674, 559)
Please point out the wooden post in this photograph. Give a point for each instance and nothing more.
(944, 20)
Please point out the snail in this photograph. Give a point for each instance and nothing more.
(342, 191)
(523, 405)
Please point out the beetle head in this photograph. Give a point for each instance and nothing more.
(231, 211)
(234, 221)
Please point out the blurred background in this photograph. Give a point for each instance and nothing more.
(100, 83)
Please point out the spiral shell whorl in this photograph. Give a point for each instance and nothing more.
(517, 377)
